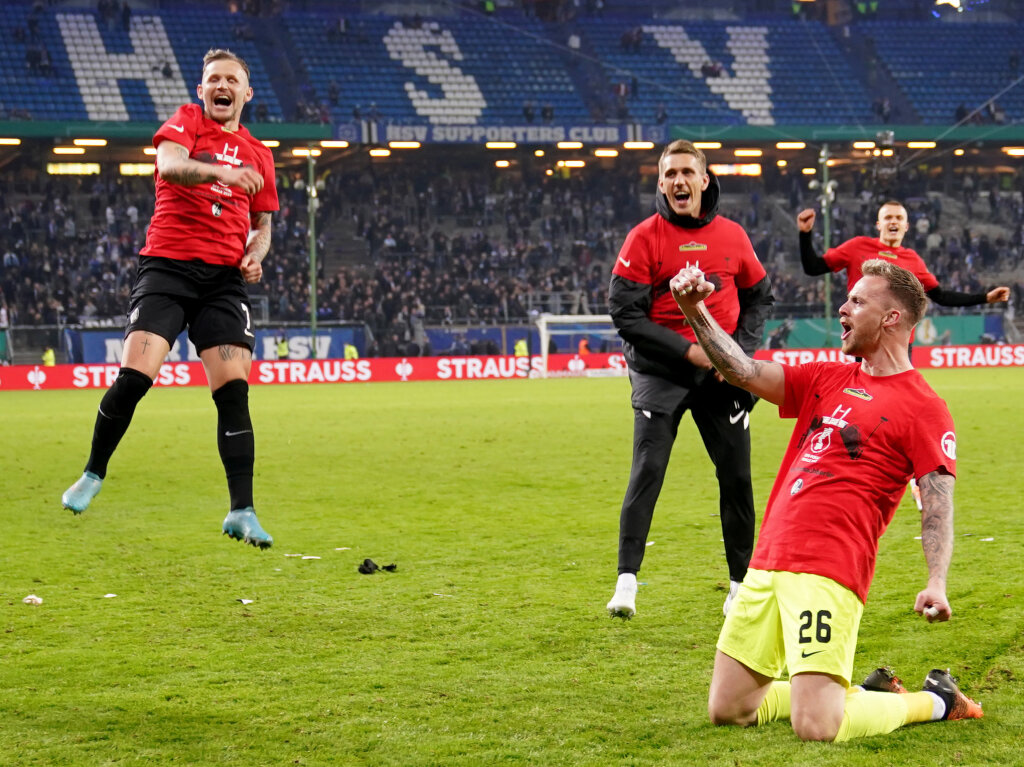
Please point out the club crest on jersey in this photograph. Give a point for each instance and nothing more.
(690, 246)
(229, 155)
(887, 254)
(216, 209)
(797, 487)
(859, 393)
(948, 443)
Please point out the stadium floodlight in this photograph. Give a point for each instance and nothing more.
(500, 145)
(380, 152)
(300, 151)
(404, 144)
(747, 152)
(549, 325)
(638, 145)
(271, 143)
(501, 163)
(538, 152)
(69, 150)
(708, 144)
(1013, 151)
(10, 141)
(921, 145)
(569, 144)
(606, 153)
(790, 145)
(90, 142)
(863, 144)
(333, 144)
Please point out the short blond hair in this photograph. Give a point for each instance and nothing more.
(221, 54)
(902, 284)
(682, 146)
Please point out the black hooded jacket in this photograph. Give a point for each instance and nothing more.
(657, 350)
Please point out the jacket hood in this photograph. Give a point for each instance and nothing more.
(708, 203)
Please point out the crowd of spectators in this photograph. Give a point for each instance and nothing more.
(465, 246)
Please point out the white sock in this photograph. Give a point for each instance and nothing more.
(626, 581)
(938, 706)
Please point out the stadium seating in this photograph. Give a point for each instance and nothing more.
(943, 66)
(64, 62)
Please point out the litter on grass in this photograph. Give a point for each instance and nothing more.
(32, 599)
(109, 596)
(245, 601)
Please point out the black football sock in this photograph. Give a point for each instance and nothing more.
(235, 440)
(115, 414)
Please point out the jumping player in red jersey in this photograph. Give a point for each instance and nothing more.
(669, 372)
(862, 430)
(211, 229)
(892, 225)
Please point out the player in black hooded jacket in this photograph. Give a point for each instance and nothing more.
(669, 371)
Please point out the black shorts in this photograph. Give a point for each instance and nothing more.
(210, 300)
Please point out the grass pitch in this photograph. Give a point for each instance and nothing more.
(490, 644)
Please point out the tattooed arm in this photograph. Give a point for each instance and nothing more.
(765, 379)
(257, 247)
(175, 166)
(937, 541)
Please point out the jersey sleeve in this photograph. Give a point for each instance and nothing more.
(265, 201)
(927, 279)
(798, 379)
(838, 258)
(751, 271)
(634, 261)
(932, 439)
(181, 128)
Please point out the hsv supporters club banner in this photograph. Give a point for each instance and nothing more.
(328, 371)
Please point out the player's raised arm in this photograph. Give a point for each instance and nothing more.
(937, 542)
(765, 379)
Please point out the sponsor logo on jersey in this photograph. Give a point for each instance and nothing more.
(624, 262)
(888, 254)
(859, 393)
(686, 248)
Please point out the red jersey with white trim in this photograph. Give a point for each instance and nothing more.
(858, 440)
(853, 253)
(209, 221)
(655, 250)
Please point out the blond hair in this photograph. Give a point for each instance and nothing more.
(221, 54)
(902, 284)
(682, 146)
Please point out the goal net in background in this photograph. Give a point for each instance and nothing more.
(568, 330)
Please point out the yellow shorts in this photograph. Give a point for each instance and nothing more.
(798, 621)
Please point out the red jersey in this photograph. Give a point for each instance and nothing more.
(655, 250)
(209, 221)
(853, 253)
(858, 439)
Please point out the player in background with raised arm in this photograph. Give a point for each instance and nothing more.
(892, 225)
(862, 430)
(669, 372)
(211, 230)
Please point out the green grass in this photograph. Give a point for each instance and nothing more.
(490, 644)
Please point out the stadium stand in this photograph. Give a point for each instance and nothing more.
(449, 240)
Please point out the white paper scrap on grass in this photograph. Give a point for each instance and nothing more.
(32, 599)
(988, 539)
(293, 555)
(344, 548)
(109, 596)
(311, 557)
(245, 601)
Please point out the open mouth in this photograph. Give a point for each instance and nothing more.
(846, 330)
(682, 198)
(222, 100)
